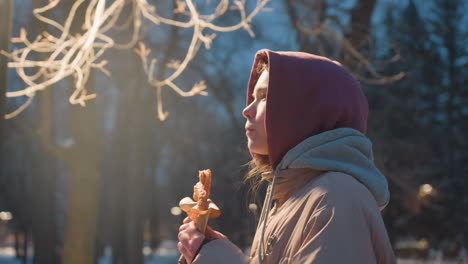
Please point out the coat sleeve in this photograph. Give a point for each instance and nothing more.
(220, 251)
(342, 232)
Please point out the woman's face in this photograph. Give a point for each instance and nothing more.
(255, 114)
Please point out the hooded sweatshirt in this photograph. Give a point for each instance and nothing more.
(323, 170)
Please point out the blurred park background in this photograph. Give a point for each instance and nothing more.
(98, 180)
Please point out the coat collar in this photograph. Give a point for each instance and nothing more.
(289, 181)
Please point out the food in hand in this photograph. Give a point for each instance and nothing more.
(202, 208)
(201, 190)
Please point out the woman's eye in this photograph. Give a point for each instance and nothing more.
(262, 96)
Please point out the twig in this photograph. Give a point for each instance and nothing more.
(75, 56)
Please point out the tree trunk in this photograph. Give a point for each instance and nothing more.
(6, 11)
(45, 228)
(81, 217)
(358, 35)
(129, 185)
(135, 131)
(361, 16)
(80, 234)
(44, 225)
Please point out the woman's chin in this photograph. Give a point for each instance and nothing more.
(256, 150)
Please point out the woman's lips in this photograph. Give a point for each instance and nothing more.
(249, 131)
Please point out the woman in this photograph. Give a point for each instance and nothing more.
(306, 119)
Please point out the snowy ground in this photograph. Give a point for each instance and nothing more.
(167, 253)
(106, 260)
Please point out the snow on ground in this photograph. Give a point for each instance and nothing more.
(106, 260)
(166, 253)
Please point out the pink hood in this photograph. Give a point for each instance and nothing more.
(307, 95)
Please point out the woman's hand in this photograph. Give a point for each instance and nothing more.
(190, 239)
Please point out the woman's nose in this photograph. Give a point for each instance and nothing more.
(248, 111)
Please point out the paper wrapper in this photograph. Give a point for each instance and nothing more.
(200, 217)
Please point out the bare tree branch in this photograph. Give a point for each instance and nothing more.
(327, 35)
(75, 56)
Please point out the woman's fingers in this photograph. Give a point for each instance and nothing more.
(183, 227)
(190, 240)
(210, 234)
(184, 248)
(184, 253)
(181, 236)
(185, 224)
